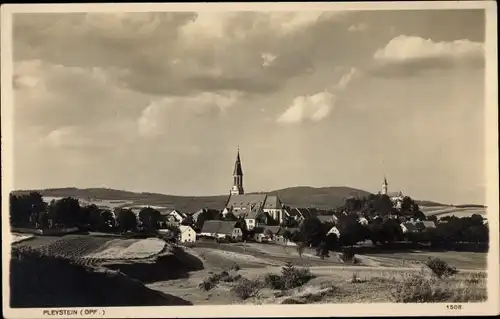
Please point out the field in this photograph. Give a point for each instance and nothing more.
(95, 247)
(178, 273)
(376, 275)
(442, 211)
(16, 238)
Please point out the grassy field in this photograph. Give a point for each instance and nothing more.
(332, 284)
(442, 211)
(95, 247)
(372, 279)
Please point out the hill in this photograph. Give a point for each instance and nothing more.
(38, 280)
(301, 196)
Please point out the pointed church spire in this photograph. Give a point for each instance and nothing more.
(238, 171)
(384, 186)
(237, 176)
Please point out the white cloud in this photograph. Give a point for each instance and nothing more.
(163, 114)
(65, 137)
(318, 106)
(346, 79)
(358, 27)
(415, 50)
(267, 59)
(309, 108)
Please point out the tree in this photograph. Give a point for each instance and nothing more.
(90, 216)
(126, 219)
(188, 221)
(289, 222)
(207, 214)
(26, 210)
(331, 241)
(241, 224)
(65, 212)
(312, 231)
(351, 231)
(322, 250)
(175, 233)
(150, 218)
(107, 220)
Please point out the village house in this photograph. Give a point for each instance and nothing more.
(254, 208)
(221, 229)
(175, 216)
(328, 218)
(187, 234)
(280, 236)
(196, 214)
(266, 233)
(334, 230)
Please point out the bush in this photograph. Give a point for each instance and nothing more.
(274, 281)
(475, 278)
(246, 288)
(419, 288)
(235, 267)
(210, 282)
(441, 268)
(292, 276)
(214, 279)
(348, 255)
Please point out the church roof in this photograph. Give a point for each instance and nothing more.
(237, 165)
(246, 200)
(272, 202)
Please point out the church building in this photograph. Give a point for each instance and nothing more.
(255, 208)
(396, 197)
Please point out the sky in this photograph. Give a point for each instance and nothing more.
(160, 101)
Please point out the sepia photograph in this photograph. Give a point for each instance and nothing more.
(189, 160)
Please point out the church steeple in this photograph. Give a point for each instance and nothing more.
(237, 188)
(384, 186)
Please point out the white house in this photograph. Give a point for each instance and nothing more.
(334, 230)
(221, 229)
(363, 221)
(187, 234)
(176, 216)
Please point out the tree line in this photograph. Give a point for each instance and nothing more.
(30, 211)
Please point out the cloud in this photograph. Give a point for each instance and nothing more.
(64, 104)
(267, 59)
(308, 108)
(411, 54)
(346, 79)
(358, 27)
(66, 137)
(162, 116)
(318, 106)
(174, 53)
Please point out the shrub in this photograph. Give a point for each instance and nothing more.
(210, 282)
(419, 288)
(274, 281)
(246, 288)
(348, 255)
(441, 268)
(235, 267)
(475, 278)
(292, 276)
